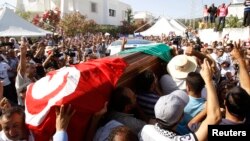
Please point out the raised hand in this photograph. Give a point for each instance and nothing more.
(189, 51)
(124, 41)
(4, 104)
(103, 110)
(206, 71)
(63, 116)
(23, 48)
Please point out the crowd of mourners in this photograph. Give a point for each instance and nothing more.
(205, 84)
(216, 16)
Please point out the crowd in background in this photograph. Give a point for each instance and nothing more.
(206, 83)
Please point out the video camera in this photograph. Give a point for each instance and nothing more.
(57, 53)
(6, 44)
(70, 52)
(177, 40)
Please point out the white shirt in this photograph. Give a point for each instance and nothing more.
(226, 70)
(58, 136)
(150, 133)
(21, 82)
(3, 137)
(4, 67)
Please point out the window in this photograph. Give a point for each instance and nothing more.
(126, 15)
(111, 13)
(93, 7)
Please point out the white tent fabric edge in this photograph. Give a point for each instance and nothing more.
(164, 26)
(13, 25)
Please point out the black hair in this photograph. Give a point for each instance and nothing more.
(222, 90)
(195, 82)
(122, 131)
(8, 113)
(119, 99)
(145, 80)
(237, 102)
(231, 45)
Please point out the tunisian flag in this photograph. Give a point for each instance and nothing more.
(85, 86)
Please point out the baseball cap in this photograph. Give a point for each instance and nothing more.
(169, 108)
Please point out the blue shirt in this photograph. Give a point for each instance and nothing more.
(60, 136)
(194, 106)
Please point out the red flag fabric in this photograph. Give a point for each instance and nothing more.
(85, 86)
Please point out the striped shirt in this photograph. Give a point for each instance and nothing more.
(147, 102)
(247, 4)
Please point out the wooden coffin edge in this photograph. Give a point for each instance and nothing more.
(137, 63)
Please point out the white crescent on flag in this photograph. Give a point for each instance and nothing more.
(52, 88)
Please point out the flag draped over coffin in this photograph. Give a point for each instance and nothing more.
(85, 86)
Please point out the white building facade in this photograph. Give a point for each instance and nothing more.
(105, 12)
(236, 9)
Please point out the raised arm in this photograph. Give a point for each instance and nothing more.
(63, 116)
(243, 73)
(45, 63)
(190, 51)
(213, 108)
(198, 118)
(22, 64)
(124, 41)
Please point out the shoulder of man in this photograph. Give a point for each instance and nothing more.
(3, 136)
(187, 137)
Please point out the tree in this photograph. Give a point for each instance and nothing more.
(126, 28)
(233, 22)
(49, 20)
(75, 23)
(24, 15)
(111, 29)
(130, 16)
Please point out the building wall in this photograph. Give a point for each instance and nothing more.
(119, 8)
(101, 16)
(236, 10)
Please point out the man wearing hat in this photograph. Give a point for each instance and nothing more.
(178, 69)
(169, 111)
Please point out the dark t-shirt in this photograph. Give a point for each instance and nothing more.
(212, 11)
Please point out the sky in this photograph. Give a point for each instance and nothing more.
(173, 8)
(166, 8)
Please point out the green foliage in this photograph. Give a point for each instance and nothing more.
(113, 30)
(130, 16)
(24, 15)
(233, 22)
(75, 23)
(127, 28)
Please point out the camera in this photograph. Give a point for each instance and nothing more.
(57, 53)
(177, 40)
(70, 52)
(7, 44)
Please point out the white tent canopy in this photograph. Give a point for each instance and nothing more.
(13, 25)
(164, 26)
